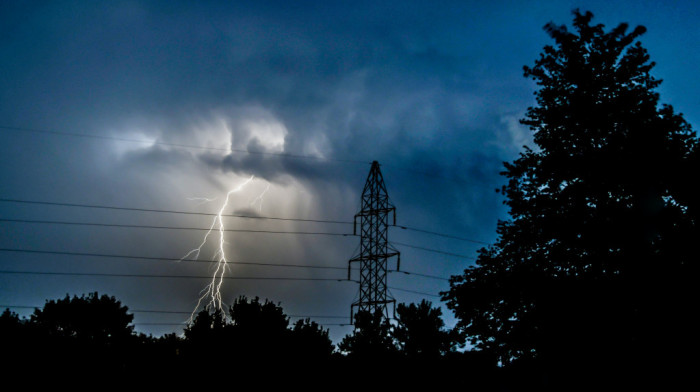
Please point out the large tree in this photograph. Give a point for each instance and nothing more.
(92, 332)
(91, 319)
(593, 266)
(259, 329)
(420, 331)
(371, 339)
(309, 340)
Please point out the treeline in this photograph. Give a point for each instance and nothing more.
(96, 333)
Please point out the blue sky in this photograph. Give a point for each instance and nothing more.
(433, 91)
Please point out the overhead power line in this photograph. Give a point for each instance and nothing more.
(434, 250)
(413, 291)
(121, 208)
(186, 312)
(185, 324)
(420, 274)
(129, 310)
(442, 235)
(173, 259)
(242, 216)
(133, 226)
(111, 275)
(178, 145)
(171, 276)
(115, 256)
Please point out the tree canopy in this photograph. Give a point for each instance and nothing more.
(255, 330)
(421, 332)
(593, 266)
(311, 340)
(89, 318)
(93, 334)
(371, 339)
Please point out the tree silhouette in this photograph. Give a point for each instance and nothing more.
(10, 323)
(207, 340)
(90, 319)
(259, 329)
(14, 335)
(309, 340)
(206, 329)
(371, 338)
(92, 330)
(592, 270)
(420, 331)
(255, 332)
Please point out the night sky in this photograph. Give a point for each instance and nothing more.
(152, 105)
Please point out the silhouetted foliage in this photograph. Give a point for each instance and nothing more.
(592, 271)
(93, 331)
(254, 341)
(371, 339)
(166, 346)
(421, 332)
(9, 322)
(259, 329)
(310, 340)
(92, 319)
(255, 332)
(205, 334)
(14, 333)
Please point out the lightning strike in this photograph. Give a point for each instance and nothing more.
(212, 292)
(201, 200)
(260, 198)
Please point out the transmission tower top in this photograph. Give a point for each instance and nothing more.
(375, 249)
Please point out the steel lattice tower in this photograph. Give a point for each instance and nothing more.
(375, 249)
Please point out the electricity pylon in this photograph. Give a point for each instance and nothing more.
(375, 249)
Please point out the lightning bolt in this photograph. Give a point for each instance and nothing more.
(211, 294)
(260, 197)
(201, 200)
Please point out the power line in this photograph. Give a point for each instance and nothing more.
(178, 145)
(198, 277)
(137, 209)
(115, 256)
(419, 274)
(133, 226)
(413, 291)
(434, 250)
(174, 312)
(97, 206)
(171, 276)
(129, 310)
(253, 263)
(159, 311)
(442, 235)
(185, 324)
